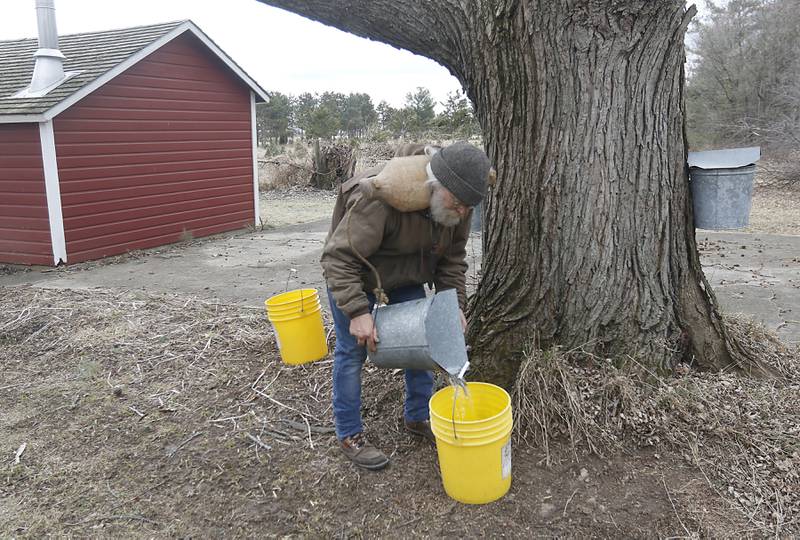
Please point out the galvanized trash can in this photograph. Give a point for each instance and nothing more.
(722, 187)
(421, 334)
(477, 217)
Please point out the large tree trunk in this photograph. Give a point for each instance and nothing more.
(587, 112)
(589, 237)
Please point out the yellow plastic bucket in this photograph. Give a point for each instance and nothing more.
(293, 315)
(296, 317)
(289, 300)
(292, 302)
(474, 444)
(308, 306)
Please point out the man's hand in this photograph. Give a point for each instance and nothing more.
(463, 321)
(363, 328)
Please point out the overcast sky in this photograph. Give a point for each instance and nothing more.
(282, 51)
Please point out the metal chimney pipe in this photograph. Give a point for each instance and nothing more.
(46, 20)
(49, 68)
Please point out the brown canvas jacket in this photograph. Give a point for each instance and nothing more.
(405, 247)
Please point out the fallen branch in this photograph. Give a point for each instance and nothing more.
(184, 443)
(322, 430)
(275, 401)
(141, 414)
(19, 453)
(14, 386)
(258, 441)
(675, 510)
(410, 521)
(127, 517)
(569, 501)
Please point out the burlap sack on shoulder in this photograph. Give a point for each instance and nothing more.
(400, 184)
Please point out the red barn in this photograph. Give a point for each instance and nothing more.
(146, 137)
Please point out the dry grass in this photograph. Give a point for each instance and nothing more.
(283, 171)
(780, 172)
(93, 380)
(775, 211)
(743, 434)
(280, 208)
(758, 342)
(155, 416)
(146, 415)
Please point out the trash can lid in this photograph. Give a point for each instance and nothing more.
(729, 158)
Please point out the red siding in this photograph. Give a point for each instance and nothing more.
(161, 150)
(24, 223)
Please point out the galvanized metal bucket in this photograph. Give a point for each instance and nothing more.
(722, 197)
(477, 218)
(722, 187)
(421, 334)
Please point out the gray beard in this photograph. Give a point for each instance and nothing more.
(440, 213)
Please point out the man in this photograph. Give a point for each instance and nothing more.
(408, 250)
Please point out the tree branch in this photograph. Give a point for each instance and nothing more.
(430, 29)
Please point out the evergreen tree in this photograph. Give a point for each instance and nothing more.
(457, 118)
(273, 118)
(385, 112)
(304, 106)
(357, 115)
(420, 111)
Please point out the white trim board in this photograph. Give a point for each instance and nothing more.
(254, 137)
(21, 118)
(187, 26)
(50, 166)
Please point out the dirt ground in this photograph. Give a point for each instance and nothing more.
(127, 414)
(292, 206)
(154, 416)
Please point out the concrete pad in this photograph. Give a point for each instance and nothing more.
(242, 268)
(754, 274)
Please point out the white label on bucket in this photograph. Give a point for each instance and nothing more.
(505, 459)
(277, 339)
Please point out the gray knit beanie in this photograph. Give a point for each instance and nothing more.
(463, 169)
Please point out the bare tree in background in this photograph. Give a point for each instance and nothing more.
(589, 238)
(745, 87)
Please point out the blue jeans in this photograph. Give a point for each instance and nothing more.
(348, 359)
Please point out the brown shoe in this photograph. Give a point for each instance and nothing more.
(363, 453)
(422, 429)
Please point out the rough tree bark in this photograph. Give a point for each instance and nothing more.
(589, 237)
